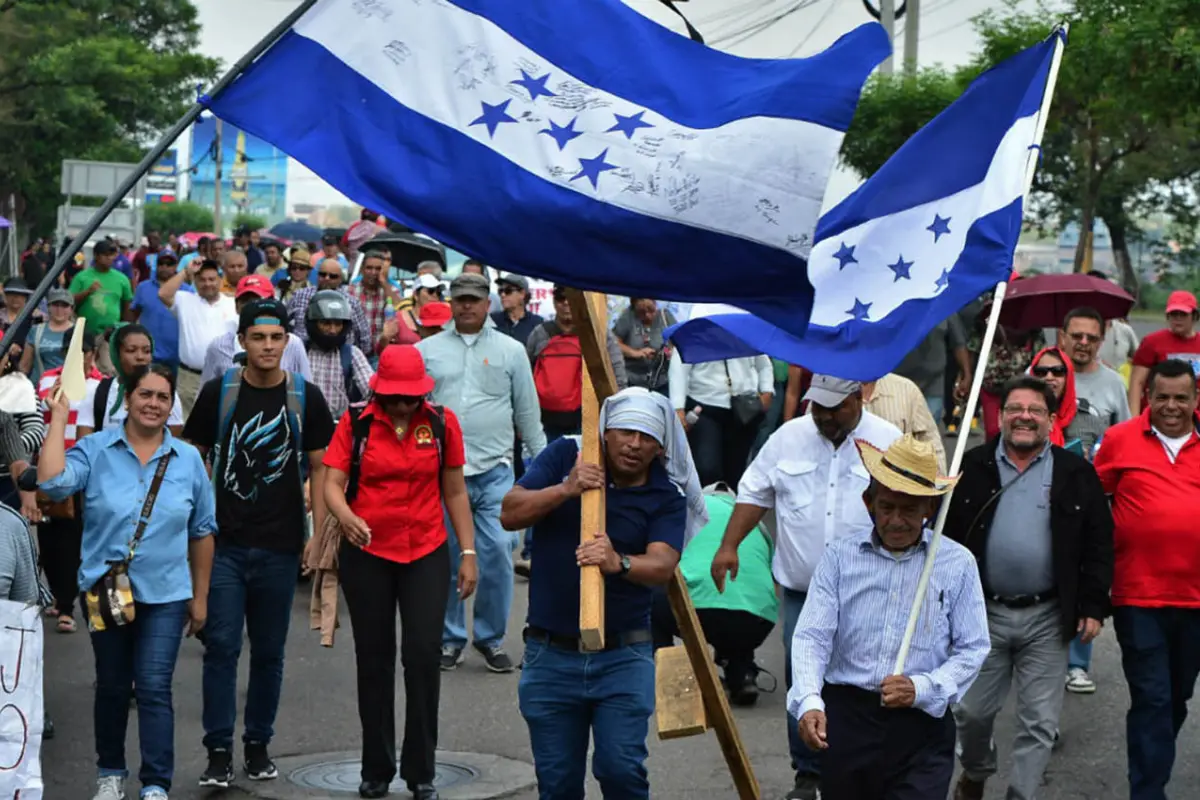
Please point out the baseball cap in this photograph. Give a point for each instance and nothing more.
(513, 280)
(469, 284)
(426, 281)
(329, 238)
(263, 312)
(166, 254)
(435, 315)
(57, 295)
(257, 285)
(16, 286)
(1181, 301)
(829, 392)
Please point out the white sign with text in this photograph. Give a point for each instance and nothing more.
(21, 715)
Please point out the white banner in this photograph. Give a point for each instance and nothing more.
(21, 717)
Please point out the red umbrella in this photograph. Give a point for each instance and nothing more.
(1043, 300)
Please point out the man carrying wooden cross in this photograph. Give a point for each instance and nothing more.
(885, 736)
(567, 694)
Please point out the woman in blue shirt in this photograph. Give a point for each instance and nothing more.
(115, 468)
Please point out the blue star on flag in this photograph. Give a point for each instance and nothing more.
(592, 168)
(900, 269)
(535, 86)
(943, 280)
(562, 134)
(492, 116)
(845, 256)
(629, 125)
(940, 226)
(861, 310)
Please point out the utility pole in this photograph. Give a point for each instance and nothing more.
(217, 228)
(887, 16)
(912, 33)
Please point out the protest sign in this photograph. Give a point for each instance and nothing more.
(21, 717)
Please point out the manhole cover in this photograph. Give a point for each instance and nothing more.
(345, 775)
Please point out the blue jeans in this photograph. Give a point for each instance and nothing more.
(1160, 654)
(139, 657)
(803, 760)
(493, 547)
(254, 588)
(937, 406)
(1080, 654)
(565, 697)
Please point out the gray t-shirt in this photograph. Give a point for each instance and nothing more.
(1102, 404)
(925, 365)
(649, 373)
(18, 564)
(1020, 555)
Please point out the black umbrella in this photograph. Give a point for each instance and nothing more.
(296, 231)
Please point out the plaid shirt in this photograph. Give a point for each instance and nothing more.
(327, 374)
(298, 306)
(374, 303)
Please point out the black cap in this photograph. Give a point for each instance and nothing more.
(329, 238)
(16, 286)
(89, 340)
(243, 230)
(260, 310)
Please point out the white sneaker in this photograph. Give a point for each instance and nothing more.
(154, 793)
(1079, 682)
(110, 787)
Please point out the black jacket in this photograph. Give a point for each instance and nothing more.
(1081, 526)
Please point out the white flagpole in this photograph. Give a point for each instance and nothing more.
(960, 447)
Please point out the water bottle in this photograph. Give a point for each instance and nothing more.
(692, 416)
(389, 311)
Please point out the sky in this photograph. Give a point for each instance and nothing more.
(797, 28)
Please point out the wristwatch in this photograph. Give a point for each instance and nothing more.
(626, 565)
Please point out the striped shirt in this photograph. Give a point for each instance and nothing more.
(47, 383)
(899, 401)
(854, 617)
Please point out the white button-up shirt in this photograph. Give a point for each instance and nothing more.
(815, 489)
(714, 383)
(199, 323)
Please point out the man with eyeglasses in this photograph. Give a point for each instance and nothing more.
(1036, 519)
(330, 277)
(1100, 391)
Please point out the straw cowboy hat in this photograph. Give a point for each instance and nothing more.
(909, 466)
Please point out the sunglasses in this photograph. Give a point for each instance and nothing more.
(1057, 372)
(509, 290)
(399, 399)
(329, 274)
(1090, 338)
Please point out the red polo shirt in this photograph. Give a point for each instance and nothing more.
(1154, 503)
(399, 496)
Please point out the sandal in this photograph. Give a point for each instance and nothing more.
(65, 624)
(50, 612)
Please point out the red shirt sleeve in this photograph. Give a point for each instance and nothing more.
(454, 454)
(337, 454)
(1146, 354)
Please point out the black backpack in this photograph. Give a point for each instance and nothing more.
(360, 429)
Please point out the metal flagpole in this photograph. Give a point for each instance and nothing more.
(960, 447)
(150, 159)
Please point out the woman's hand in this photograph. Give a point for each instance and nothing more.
(197, 615)
(29, 507)
(58, 402)
(356, 530)
(468, 576)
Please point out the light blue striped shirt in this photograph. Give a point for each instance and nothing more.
(854, 617)
(486, 380)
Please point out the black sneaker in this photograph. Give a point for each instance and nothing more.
(259, 766)
(220, 769)
(451, 657)
(497, 660)
(806, 787)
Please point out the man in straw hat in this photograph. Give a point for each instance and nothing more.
(885, 736)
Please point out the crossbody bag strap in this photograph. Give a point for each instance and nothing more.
(148, 506)
(993, 499)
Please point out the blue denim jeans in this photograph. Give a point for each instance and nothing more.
(1160, 655)
(139, 657)
(937, 407)
(493, 547)
(567, 697)
(1080, 654)
(254, 588)
(803, 759)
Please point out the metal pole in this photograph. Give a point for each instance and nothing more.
(960, 447)
(887, 16)
(220, 155)
(912, 35)
(143, 166)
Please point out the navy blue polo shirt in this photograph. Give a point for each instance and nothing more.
(636, 516)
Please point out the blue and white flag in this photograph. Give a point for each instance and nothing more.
(577, 142)
(929, 232)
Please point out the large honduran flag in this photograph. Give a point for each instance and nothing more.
(578, 142)
(929, 232)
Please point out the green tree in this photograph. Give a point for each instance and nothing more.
(178, 217)
(251, 221)
(91, 79)
(1118, 141)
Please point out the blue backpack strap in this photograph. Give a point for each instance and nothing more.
(231, 385)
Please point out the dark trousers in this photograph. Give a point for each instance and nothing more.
(1160, 654)
(720, 444)
(374, 587)
(250, 588)
(138, 659)
(734, 635)
(878, 753)
(59, 541)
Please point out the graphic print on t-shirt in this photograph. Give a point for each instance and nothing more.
(259, 451)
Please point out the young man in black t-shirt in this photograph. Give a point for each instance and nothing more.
(261, 425)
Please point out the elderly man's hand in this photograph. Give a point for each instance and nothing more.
(812, 730)
(898, 691)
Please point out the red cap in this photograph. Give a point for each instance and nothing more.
(435, 314)
(1181, 301)
(401, 371)
(256, 285)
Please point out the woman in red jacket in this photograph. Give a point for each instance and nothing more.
(390, 468)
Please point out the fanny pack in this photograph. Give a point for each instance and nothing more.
(109, 603)
(747, 406)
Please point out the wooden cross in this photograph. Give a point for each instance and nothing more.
(677, 677)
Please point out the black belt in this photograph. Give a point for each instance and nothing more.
(1024, 600)
(612, 641)
(186, 368)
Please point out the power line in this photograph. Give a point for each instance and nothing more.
(754, 30)
(828, 10)
(948, 28)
